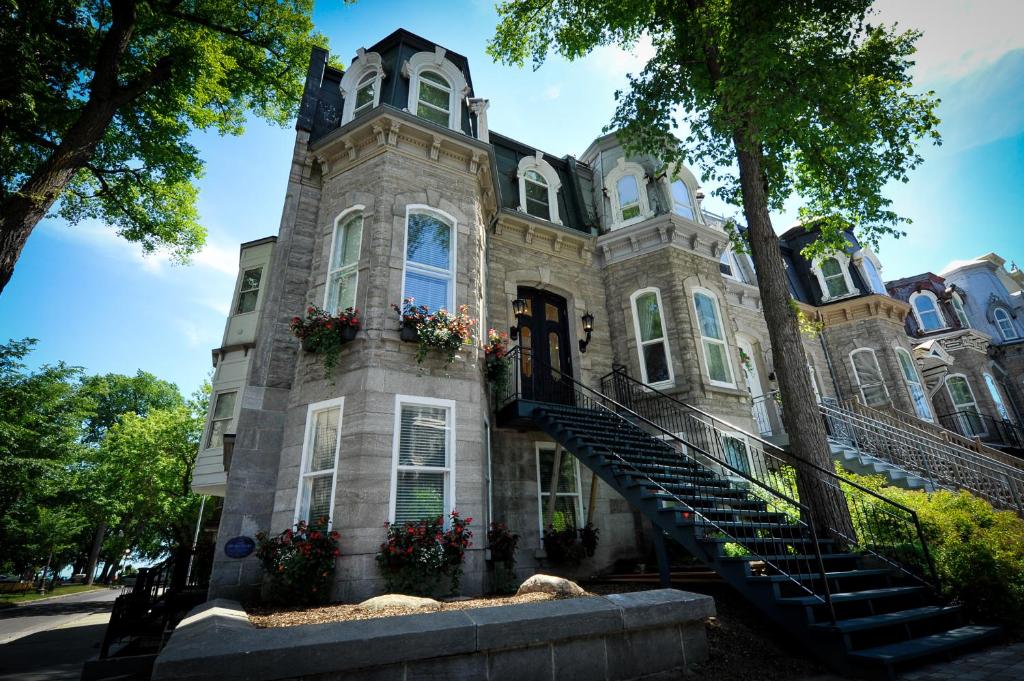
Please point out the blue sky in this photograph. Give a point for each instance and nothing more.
(94, 300)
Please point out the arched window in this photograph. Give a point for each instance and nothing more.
(429, 258)
(1005, 323)
(538, 188)
(628, 191)
(868, 375)
(926, 309)
(873, 276)
(366, 94)
(835, 278)
(433, 98)
(436, 88)
(997, 397)
(965, 416)
(914, 387)
(727, 265)
(682, 204)
(343, 269)
(626, 185)
(958, 308)
(361, 84)
(712, 337)
(652, 346)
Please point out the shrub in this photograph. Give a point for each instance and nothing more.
(569, 545)
(502, 544)
(415, 555)
(299, 562)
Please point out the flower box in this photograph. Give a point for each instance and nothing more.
(324, 333)
(439, 330)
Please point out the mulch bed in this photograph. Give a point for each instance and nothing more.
(268, 617)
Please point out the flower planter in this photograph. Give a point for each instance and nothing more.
(348, 333)
(308, 345)
(409, 333)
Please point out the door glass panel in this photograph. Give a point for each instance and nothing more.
(526, 343)
(550, 312)
(554, 352)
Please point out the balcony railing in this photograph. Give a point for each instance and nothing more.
(990, 430)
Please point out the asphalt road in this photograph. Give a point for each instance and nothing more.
(49, 640)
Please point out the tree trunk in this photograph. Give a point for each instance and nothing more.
(105, 575)
(94, 554)
(807, 436)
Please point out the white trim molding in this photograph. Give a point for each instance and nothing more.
(843, 260)
(448, 470)
(917, 295)
(453, 223)
(622, 170)
(545, 170)
(640, 342)
(364, 63)
(437, 62)
(307, 441)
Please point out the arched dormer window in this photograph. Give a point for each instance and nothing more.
(626, 184)
(728, 266)
(871, 269)
(833, 273)
(958, 307)
(538, 188)
(681, 187)
(436, 88)
(926, 311)
(1004, 322)
(361, 85)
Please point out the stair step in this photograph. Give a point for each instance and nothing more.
(888, 592)
(842, 574)
(890, 618)
(945, 641)
(796, 557)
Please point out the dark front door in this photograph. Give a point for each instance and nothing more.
(544, 339)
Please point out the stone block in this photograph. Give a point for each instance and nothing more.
(520, 664)
(447, 668)
(582, 659)
(639, 653)
(695, 642)
(532, 623)
(662, 607)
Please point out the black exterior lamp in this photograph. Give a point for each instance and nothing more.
(588, 327)
(519, 310)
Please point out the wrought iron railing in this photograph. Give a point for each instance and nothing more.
(879, 526)
(766, 414)
(765, 535)
(940, 462)
(989, 429)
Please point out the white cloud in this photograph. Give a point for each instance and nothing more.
(552, 92)
(198, 335)
(614, 62)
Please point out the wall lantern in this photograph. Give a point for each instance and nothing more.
(588, 327)
(519, 310)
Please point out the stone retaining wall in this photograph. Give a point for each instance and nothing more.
(618, 637)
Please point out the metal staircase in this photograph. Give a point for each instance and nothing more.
(861, 598)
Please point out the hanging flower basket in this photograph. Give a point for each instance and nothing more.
(409, 332)
(441, 330)
(324, 333)
(496, 367)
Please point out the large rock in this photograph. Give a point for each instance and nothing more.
(548, 584)
(399, 601)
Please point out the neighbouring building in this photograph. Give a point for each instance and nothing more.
(399, 189)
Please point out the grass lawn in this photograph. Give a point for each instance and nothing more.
(13, 599)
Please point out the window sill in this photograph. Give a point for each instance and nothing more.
(725, 389)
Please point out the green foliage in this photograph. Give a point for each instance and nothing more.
(182, 67)
(416, 555)
(325, 333)
(116, 395)
(817, 90)
(502, 543)
(300, 563)
(567, 545)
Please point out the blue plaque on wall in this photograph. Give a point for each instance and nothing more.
(239, 547)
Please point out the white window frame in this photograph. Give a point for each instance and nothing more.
(427, 269)
(449, 470)
(307, 442)
(682, 174)
(957, 303)
(959, 407)
(903, 352)
(1004, 323)
(547, 171)
(339, 222)
(622, 169)
(914, 297)
(436, 61)
(728, 258)
(843, 260)
(740, 437)
(707, 339)
(860, 382)
(640, 343)
(364, 63)
(213, 408)
(862, 259)
(997, 397)
(258, 289)
(550, 446)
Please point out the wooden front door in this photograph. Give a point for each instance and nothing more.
(544, 338)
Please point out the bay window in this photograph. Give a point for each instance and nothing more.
(712, 338)
(652, 346)
(914, 387)
(343, 270)
(422, 483)
(429, 258)
(868, 375)
(319, 462)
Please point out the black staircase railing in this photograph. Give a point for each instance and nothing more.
(881, 527)
(989, 429)
(778, 534)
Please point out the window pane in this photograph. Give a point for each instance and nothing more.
(423, 440)
(551, 312)
(435, 78)
(216, 438)
(567, 482)
(630, 212)
(526, 342)
(433, 115)
(364, 96)
(707, 316)
(434, 95)
(534, 176)
(419, 496)
(429, 241)
(869, 376)
(317, 498)
(251, 279)
(537, 203)
(736, 453)
(325, 439)
(565, 511)
(960, 391)
(830, 268)
(249, 290)
(346, 243)
(681, 199)
(225, 406)
(342, 292)
(997, 398)
(648, 316)
(656, 362)
(718, 364)
(554, 352)
(874, 279)
(426, 289)
(929, 315)
(629, 196)
(247, 301)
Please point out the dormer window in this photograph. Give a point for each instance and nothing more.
(835, 278)
(626, 188)
(360, 85)
(366, 94)
(926, 309)
(871, 274)
(1005, 323)
(958, 308)
(538, 188)
(629, 197)
(727, 265)
(433, 100)
(682, 204)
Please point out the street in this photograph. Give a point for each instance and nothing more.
(49, 640)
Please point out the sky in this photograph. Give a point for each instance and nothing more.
(94, 300)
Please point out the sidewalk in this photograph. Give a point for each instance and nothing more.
(1000, 663)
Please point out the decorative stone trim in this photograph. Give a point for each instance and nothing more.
(595, 638)
(862, 307)
(663, 231)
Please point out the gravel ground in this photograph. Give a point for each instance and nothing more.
(266, 617)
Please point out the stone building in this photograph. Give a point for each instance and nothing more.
(398, 189)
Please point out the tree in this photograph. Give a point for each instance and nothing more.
(98, 99)
(56, 530)
(804, 97)
(117, 395)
